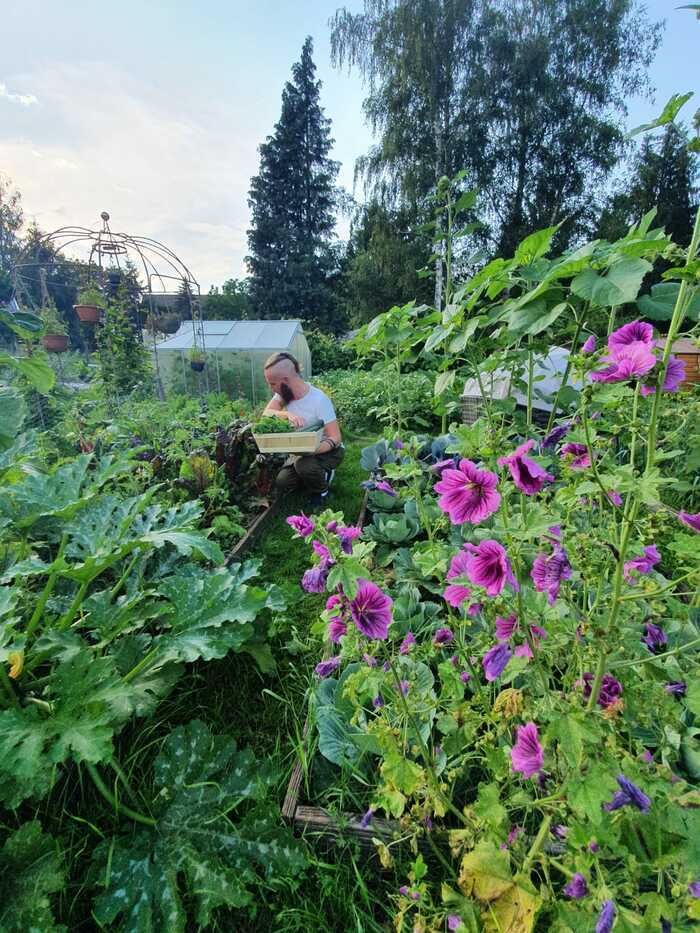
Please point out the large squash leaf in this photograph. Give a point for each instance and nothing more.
(215, 840)
(31, 870)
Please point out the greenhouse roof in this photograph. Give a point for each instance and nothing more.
(235, 335)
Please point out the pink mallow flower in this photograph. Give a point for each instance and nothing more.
(468, 494)
(488, 566)
(527, 755)
(642, 564)
(588, 345)
(336, 629)
(495, 661)
(576, 455)
(675, 374)
(302, 524)
(371, 610)
(548, 572)
(456, 593)
(631, 363)
(692, 520)
(506, 627)
(527, 475)
(634, 335)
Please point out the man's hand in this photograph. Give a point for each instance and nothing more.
(296, 420)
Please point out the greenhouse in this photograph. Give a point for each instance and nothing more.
(235, 354)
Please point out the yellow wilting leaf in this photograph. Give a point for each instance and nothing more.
(505, 903)
(16, 662)
(383, 852)
(508, 703)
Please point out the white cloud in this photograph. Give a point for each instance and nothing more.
(162, 167)
(25, 100)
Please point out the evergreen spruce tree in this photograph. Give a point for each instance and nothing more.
(292, 262)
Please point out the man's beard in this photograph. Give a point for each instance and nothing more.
(286, 393)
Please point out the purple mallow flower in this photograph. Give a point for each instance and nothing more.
(314, 580)
(654, 638)
(488, 566)
(468, 494)
(577, 887)
(694, 889)
(378, 701)
(527, 755)
(495, 661)
(606, 918)
(443, 636)
(548, 572)
(557, 434)
(576, 455)
(610, 689)
(326, 668)
(528, 476)
(454, 922)
(456, 593)
(371, 610)
(560, 831)
(336, 629)
(404, 687)
(302, 524)
(676, 688)
(642, 564)
(635, 334)
(630, 363)
(615, 498)
(408, 642)
(588, 345)
(628, 795)
(347, 534)
(692, 520)
(465, 677)
(505, 627)
(675, 374)
(322, 551)
(384, 485)
(333, 601)
(366, 819)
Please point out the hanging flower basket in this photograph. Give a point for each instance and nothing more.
(55, 343)
(87, 314)
(197, 365)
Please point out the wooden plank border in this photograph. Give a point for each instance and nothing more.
(253, 533)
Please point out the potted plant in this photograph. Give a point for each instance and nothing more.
(90, 303)
(55, 339)
(197, 360)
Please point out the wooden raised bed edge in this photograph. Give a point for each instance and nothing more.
(254, 531)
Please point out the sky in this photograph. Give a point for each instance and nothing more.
(154, 111)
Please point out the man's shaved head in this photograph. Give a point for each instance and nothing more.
(281, 368)
(282, 373)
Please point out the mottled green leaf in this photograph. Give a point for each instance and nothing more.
(31, 870)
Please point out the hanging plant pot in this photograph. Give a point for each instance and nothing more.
(87, 314)
(55, 343)
(197, 365)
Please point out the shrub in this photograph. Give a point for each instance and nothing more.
(328, 352)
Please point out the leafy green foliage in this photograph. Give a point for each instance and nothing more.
(217, 838)
(32, 868)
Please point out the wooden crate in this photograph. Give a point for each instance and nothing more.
(293, 442)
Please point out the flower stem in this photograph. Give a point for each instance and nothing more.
(47, 591)
(565, 377)
(537, 844)
(112, 800)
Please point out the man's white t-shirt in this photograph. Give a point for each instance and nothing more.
(312, 407)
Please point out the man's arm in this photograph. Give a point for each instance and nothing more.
(331, 438)
(275, 408)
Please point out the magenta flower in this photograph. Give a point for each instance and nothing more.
(496, 660)
(675, 374)
(694, 889)
(629, 795)
(488, 566)
(526, 755)
(642, 564)
(408, 642)
(366, 819)
(369, 660)
(523, 651)
(385, 486)
(468, 494)
(347, 534)
(654, 638)
(336, 629)
(454, 922)
(371, 610)
(443, 636)
(302, 524)
(378, 702)
(441, 465)
(505, 627)
(606, 918)
(548, 572)
(558, 433)
(465, 676)
(322, 551)
(527, 475)
(615, 498)
(404, 687)
(692, 520)
(326, 668)
(314, 580)
(588, 345)
(676, 688)
(634, 335)
(333, 601)
(456, 593)
(630, 363)
(610, 689)
(580, 459)
(577, 887)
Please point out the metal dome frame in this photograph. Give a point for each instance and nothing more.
(160, 265)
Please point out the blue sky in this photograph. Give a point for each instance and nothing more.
(154, 111)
